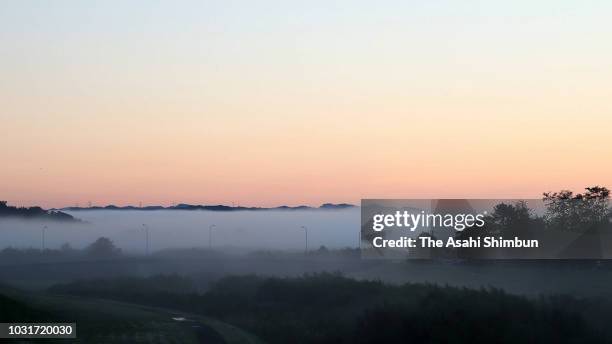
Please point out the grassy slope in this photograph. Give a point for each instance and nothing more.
(104, 321)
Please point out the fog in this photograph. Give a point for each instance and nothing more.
(273, 229)
(245, 231)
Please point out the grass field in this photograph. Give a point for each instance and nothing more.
(105, 321)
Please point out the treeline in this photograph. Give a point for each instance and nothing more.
(565, 211)
(33, 213)
(573, 226)
(102, 248)
(329, 308)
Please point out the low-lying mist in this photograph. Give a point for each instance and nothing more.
(270, 229)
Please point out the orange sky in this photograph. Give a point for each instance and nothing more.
(301, 105)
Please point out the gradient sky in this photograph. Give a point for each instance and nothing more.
(279, 102)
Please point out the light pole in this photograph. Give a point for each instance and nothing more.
(145, 228)
(306, 241)
(44, 229)
(210, 236)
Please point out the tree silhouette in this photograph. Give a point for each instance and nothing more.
(103, 247)
(33, 213)
(577, 212)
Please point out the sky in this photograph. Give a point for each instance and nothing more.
(263, 103)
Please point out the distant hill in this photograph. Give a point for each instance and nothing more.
(34, 213)
(218, 207)
(336, 206)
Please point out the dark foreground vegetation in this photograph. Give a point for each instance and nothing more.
(326, 308)
(17, 311)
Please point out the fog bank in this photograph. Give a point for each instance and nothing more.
(272, 229)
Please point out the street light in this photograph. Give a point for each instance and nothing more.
(145, 228)
(43, 237)
(306, 241)
(210, 236)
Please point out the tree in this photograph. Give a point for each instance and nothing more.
(577, 212)
(103, 247)
(508, 220)
(510, 215)
(66, 248)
